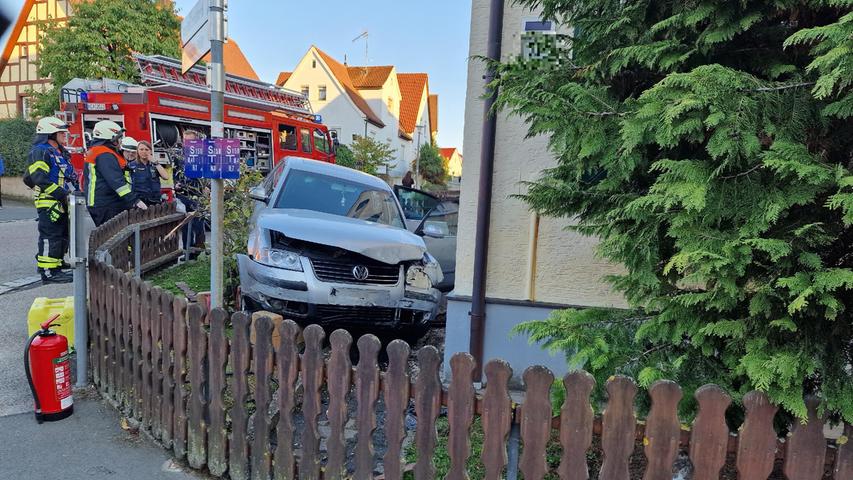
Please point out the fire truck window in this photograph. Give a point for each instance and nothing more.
(321, 143)
(306, 140)
(287, 137)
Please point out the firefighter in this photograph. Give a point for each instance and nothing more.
(108, 189)
(128, 149)
(145, 175)
(52, 178)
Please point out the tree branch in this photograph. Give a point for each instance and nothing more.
(784, 87)
(729, 177)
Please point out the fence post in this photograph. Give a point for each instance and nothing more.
(137, 252)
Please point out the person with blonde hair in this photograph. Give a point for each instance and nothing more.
(145, 175)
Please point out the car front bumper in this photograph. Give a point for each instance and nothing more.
(300, 295)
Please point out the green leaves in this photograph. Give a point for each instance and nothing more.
(707, 146)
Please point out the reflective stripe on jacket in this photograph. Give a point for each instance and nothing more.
(105, 178)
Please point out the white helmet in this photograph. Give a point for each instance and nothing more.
(129, 144)
(50, 125)
(107, 130)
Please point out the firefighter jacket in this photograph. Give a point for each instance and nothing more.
(52, 177)
(106, 179)
(145, 180)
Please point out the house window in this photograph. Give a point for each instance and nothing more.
(25, 107)
(390, 104)
(24, 51)
(306, 90)
(321, 93)
(313, 63)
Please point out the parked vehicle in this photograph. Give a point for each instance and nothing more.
(435, 220)
(270, 122)
(329, 244)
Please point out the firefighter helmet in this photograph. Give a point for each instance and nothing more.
(129, 144)
(107, 130)
(50, 125)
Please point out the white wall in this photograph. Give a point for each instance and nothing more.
(566, 270)
(338, 111)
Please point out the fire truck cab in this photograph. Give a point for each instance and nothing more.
(270, 122)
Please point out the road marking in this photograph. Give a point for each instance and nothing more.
(19, 283)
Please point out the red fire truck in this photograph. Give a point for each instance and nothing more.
(270, 122)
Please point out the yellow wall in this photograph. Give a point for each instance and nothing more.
(566, 269)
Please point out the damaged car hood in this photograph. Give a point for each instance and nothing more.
(373, 240)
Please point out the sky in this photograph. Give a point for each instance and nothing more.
(428, 36)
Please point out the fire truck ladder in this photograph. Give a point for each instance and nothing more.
(164, 73)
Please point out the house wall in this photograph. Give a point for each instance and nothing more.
(566, 270)
(338, 111)
(21, 73)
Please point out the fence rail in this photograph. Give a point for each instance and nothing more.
(197, 384)
(138, 239)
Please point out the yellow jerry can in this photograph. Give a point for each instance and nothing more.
(43, 308)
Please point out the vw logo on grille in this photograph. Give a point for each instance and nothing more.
(360, 272)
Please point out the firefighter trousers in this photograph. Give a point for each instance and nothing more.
(53, 237)
(101, 215)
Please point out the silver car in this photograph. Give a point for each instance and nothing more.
(329, 244)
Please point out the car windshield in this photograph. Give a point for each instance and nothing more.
(322, 193)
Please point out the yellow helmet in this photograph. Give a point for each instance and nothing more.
(50, 125)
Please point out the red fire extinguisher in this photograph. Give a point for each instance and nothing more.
(48, 367)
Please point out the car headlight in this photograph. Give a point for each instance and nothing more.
(417, 277)
(274, 257)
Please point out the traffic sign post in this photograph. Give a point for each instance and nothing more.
(202, 31)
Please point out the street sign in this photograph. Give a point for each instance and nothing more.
(195, 35)
(216, 158)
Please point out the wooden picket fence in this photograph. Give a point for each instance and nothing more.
(195, 382)
(114, 242)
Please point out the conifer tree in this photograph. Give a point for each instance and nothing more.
(709, 146)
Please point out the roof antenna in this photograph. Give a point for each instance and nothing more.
(365, 35)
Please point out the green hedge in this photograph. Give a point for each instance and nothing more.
(16, 138)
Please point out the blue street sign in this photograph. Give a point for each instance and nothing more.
(214, 159)
(194, 151)
(230, 158)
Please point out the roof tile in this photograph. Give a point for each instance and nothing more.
(412, 87)
(340, 72)
(368, 78)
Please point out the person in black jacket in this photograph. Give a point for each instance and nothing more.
(52, 178)
(108, 189)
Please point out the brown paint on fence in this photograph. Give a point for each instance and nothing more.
(166, 414)
(460, 414)
(241, 353)
(312, 381)
(619, 422)
(806, 447)
(366, 394)
(576, 423)
(396, 395)
(662, 430)
(496, 418)
(156, 356)
(107, 332)
(197, 425)
(179, 338)
(710, 434)
(135, 348)
(535, 422)
(427, 405)
(288, 370)
(261, 454)
(340, 370)
(757, 447)
(217, 433)
(121, 359)
(145, 331)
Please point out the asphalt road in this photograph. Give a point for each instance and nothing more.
(18, 237)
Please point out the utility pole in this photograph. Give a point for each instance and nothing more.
(217, 130)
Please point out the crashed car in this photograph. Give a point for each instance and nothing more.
(329, 245)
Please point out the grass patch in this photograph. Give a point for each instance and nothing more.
(196, 274)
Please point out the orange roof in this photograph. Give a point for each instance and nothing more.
(16, 32)
(235, 62)
(433, 114)
(368, 78)
(412, 88)
(448, 152)
(342, 75)
(283, 77)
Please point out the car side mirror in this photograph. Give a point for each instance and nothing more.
(259, 193)
(432, 231)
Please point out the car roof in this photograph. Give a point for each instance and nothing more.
(338, 171)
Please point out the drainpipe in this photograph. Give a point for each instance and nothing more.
(532, 254)
(484, 194)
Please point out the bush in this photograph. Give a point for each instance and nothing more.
(432, 167)
(16, 138)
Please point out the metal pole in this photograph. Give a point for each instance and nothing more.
(78, 252)
(217, 130)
